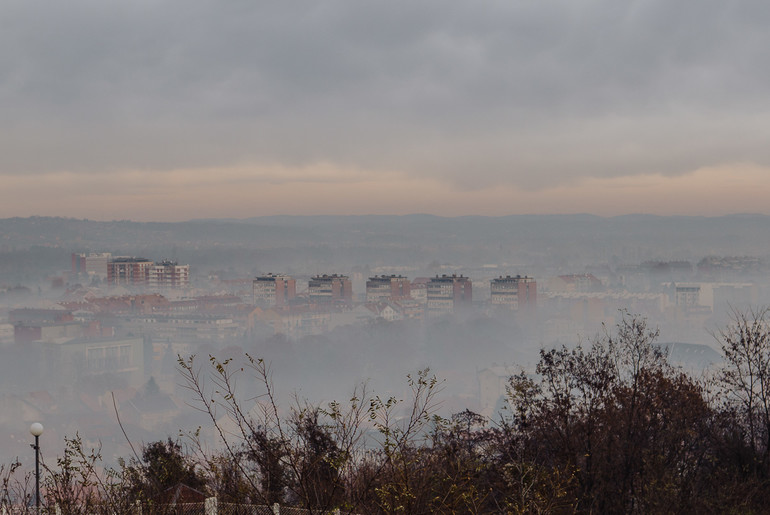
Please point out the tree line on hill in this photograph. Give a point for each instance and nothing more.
(605, 427)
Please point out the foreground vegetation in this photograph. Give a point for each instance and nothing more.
(607, 427)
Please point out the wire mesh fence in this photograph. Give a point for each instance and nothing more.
(245, 509)
(191, 508)
(289, 510)
(210, 507)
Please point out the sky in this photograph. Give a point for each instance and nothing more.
(182, 109)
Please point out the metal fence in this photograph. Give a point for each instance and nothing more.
(209, 507)
(247, 509)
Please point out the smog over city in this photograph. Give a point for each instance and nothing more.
(416, 257)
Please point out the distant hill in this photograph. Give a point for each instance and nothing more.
(319, 243)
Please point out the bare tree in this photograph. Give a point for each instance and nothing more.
(746, 375)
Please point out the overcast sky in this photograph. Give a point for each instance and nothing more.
(182, 109)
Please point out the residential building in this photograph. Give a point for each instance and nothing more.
(292, 321)
(513, 292)
(418, 290)
(39, 315)
(91, 264)
(384, 288)
(688, 295)
(141, 272)
(129, 271)
(6, 333)
(330, 288)
(273, 290)
(67, 358)
(410, 308)
(447, 293)
(182, 327)
(493, 384)
(169, 275)
(386, 311)
(580, 283)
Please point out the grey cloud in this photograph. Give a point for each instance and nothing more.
(525, 92)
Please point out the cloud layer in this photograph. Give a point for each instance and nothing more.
(525, 95)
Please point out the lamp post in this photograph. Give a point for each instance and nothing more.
(37, 429)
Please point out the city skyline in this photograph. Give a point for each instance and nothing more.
(167, 112)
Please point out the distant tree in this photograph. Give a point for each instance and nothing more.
(151, 388)
(163, 465)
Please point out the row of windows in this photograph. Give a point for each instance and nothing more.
(114, 357)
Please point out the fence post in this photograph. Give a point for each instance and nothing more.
(210, 506)
(336, 511)
(138, 505)
(57, 509)
(276, 509)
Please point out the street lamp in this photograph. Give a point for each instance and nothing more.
(37, 429)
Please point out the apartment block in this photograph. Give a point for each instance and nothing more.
(129, 271)
(141, 272)
(384, 288)
(91, 264)
(580, 283)
(447, 293)
(168, 275)
(513, 292)
(273, 290)
(330, 288)
(118, 359)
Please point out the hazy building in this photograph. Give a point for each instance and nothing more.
(91, 264)
(729, 296)
(129, 271)
(580, 283)
(67, 359)
(39, 315)
(293, 322)
(168, 275)
(184, 327)
(384, 288)
(601, 306)
(418, 290)
(6, 333)
(513, 292)
(330, 288)
(688, 295)
(136, 271)
(447, 293)
(410, 307)
(692, 357)
(493, 384)
(46, 331)
(273, 290)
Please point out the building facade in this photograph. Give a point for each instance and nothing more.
(447, 293)
(129, 271)
(168, 275)
(330, 288)
(118, 358)
(91, 264)
(273, 290)
(513, 292)
(580, 283)
(384, 288)
(141, 272)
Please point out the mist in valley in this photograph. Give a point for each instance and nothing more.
(589, 272)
